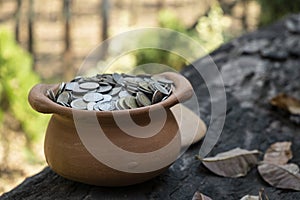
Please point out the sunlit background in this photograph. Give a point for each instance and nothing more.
(46, 41)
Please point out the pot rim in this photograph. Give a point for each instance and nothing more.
(40, 102)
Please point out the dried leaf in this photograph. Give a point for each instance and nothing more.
(234, 163)
(200, 196)
(288, 103)
(281, 176)
(250, 197)
(261, 196)
(278, 153)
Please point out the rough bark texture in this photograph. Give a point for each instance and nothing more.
(252, 76)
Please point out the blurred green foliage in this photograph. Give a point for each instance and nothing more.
(16, 79)
(272, 10)
(209, 32)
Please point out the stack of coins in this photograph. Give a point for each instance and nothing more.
(108, 92)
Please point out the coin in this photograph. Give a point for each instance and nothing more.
(63, 98)
(104, 88)
(115, 91)
(92, 97)
(157, 97)
(162, 80)
(160, 88)
(71, 85)
(144, 85)
(130, 102)
(60, 89)
(123, 94)
(50, 94)
(116, 77)
(121, 104)
(90, 105)
(106, 106)
(142, 99)
(107, 92)
(106, 97)
(77, 78)
(79, 104)
(150, 92)
(78, 90)
(89, 85)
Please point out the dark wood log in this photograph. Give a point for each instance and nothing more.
(251, 76)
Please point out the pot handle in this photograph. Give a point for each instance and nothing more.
(38, 99)
(183, 88)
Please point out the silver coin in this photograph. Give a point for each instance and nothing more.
(130, 81)
(77, 78)
(106, 97)
(152, 87)
(71, 85)
(116, 77)
(79, 104)
(50, 94)
(76, 96)
(117, 105)
(120, 105)
(104, 88)
(160, 88)
(92, 97)
(157, 97)
(130, 102)
(112, 91)
(165, 98)
(145, 91)
(123, 94)
(63, 98)
(77, 90)
(132, 88)
(106, 106)
(90, 106)
(143, 76)
(115, 91)
(144, 85)
(60, 89)
(89, 85)
(162, 80)
(109, 80)
(142, 99)
(89, 79)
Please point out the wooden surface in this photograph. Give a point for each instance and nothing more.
(252, 76)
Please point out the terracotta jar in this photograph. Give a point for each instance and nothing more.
(111, 148)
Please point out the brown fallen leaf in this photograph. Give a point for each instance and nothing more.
(278, 153)
(286, 102)
(281, 176)
(200, 196)
(261, 196)
(234, 163)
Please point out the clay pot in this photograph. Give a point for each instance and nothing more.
(103, 147)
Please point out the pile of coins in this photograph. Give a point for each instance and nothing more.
(108, 92)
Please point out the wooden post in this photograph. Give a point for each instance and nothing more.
(67, 16)
(17, 26)
(68, 59)
(30, 27)
(105, 18)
